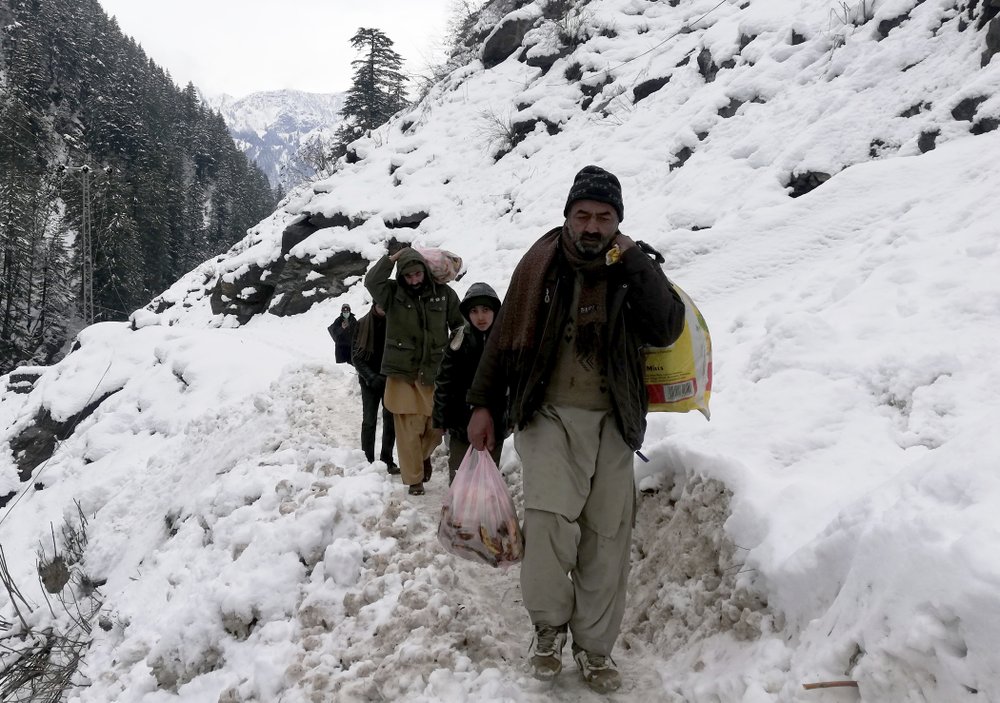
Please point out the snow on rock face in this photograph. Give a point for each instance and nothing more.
(834, 520)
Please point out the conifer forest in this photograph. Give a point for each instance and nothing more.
(114, 181)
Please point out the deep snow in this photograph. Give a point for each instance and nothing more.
(835, 520)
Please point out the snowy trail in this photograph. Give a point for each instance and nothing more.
(484, 614)
(498, 592)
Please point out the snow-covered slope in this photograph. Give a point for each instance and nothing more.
(272, 127)
(837, 518)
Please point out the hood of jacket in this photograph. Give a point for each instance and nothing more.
(479, 294)
(408, 257)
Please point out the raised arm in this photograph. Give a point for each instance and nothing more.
(379, 283)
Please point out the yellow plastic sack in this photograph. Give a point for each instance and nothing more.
(679, 377)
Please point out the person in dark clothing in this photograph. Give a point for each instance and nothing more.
(567, 353)
(458, 367)
(369, 346)
(343, 330)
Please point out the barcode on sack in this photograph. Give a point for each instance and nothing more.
(678, 391)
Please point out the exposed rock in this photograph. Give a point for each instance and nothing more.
(877, 148)
(915, 110)
(36, 443)
(648, 87)
(797, 38)
(303, 227)
(297, 287)
(681, 157)
(928, 140)
(520, 130)
(987, 124)
(545, 61)
(992, 42)
(247, 294)
(966, 109)
(745, 40)
(886, 26)
(991, 8)
(22, 380)
(806, 182)
(505, 39)
(729, 110)
(592, 90)
(410, 221)
(706, 67)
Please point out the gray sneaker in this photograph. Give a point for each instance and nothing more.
(546, 657)
(598, 670)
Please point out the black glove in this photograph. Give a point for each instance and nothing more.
(378, 384)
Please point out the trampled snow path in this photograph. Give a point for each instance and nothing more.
(490, 625)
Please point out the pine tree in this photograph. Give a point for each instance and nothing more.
(377, 91)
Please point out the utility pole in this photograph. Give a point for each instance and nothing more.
(87, 243)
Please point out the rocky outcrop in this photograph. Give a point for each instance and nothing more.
(506, 38)
(291, 284)
(302, 282)
(805, 182)
(36, 443)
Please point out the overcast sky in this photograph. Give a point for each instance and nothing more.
(243, 46)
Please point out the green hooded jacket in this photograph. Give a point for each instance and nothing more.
(418, 323)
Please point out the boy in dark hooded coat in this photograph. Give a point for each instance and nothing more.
(458, 367)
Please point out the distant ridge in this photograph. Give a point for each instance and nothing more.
(272, 126)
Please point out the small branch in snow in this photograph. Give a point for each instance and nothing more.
(830, 684)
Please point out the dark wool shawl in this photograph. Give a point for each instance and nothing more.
(364, 341)
(527, 292)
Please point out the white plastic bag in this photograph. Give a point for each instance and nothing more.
(478, 520)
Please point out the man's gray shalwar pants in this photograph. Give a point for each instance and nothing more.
(579, 499)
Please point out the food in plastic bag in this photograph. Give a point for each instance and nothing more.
(444, 266)
(478, 520)
(679, 377)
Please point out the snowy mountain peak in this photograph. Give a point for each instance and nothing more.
(821, 182)
(271, 127)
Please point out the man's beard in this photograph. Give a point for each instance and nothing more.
(592, 246)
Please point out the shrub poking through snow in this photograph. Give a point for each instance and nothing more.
(42, 647)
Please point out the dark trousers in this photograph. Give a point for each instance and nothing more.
(457, 447)
(370, 400)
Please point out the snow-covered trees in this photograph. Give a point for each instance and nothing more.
(74, 90)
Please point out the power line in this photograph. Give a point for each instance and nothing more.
(87, 244)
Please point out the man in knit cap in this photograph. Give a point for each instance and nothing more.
(566, 353)
(419, 315)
